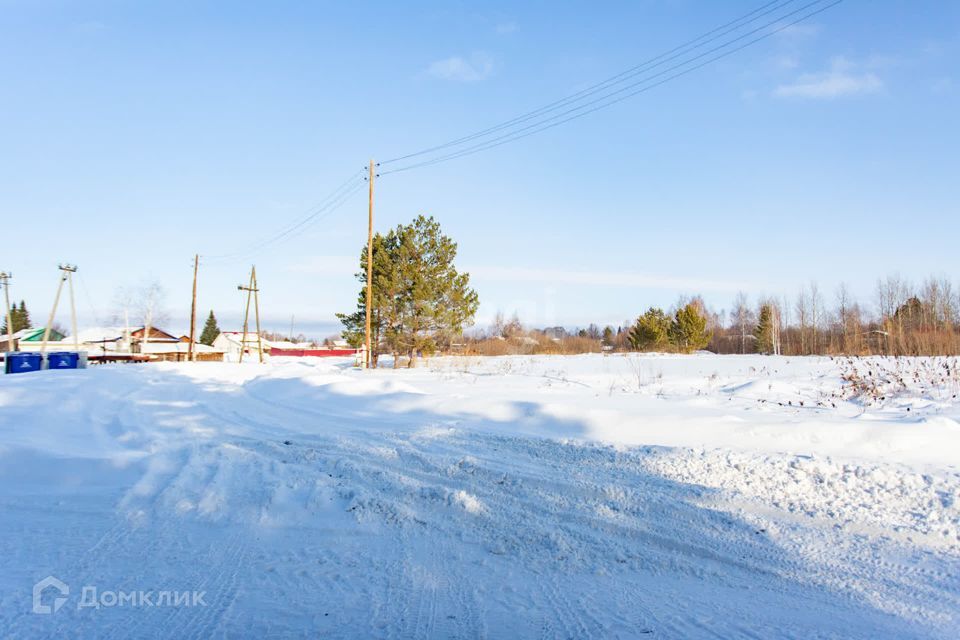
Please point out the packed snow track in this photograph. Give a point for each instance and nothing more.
(529, 497)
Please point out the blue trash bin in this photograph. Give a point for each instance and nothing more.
(23, 362)
(62, 360)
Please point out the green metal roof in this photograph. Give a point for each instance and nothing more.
(36, 335)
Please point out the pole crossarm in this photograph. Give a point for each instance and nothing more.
(253, 292)
(66, 270)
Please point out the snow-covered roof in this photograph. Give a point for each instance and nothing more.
(235, 337)
(284, 344)
(34, 333)
(98, 334)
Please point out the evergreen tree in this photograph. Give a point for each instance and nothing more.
(24, 319)
(386, 310)
(420, 302)
(436, 301)
(210, 330)
(651, 331)
(19, 318)
(608, 336)
(764, 331)
(688, 331)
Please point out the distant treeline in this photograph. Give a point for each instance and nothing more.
(901, 319)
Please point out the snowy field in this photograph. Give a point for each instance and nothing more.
(547, 497)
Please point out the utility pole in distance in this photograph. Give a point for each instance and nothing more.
(253, 291)
(366, 334)
(256, 310)
(193, 307)
(66, 273)
(5, 280)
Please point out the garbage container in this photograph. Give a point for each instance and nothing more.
(62, 360)
(23, 362)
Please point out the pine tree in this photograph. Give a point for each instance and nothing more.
(435, 301)
(650, 332)
(210, 330)
(608, 336)
(23, 322)
(385, 315)
(688, 331)
(19, 318)
(764, 331)
(420, 302)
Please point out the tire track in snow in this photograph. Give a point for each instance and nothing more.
(553, 511)
(431, 472)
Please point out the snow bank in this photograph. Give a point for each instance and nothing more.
(584, 496)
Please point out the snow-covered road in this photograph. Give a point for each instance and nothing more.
(563, 497)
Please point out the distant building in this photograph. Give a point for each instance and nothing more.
(166, 347)
(178, 351)
(28, 339)
(117, 343)
(231, 342)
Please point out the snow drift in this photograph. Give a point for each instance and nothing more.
(588, 496)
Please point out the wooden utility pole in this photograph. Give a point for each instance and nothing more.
(246, 316)
(253, 292)
(193, 307)
(256, 311)
(5, 279)
(73, 311)
(366, 334)
(66, 271)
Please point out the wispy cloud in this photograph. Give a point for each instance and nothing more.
(844, 78)
(474, 68)
(602, 279)
(506, 27)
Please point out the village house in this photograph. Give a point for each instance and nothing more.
(28, 339)
(121, 344)
(231, 343)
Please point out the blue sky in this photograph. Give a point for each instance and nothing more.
(134, 135)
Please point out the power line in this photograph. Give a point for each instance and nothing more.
(583, 106)
(327, 211)
(326, 206)
(605, 101)
(89, 298)
(315, 211)
(655, 61)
